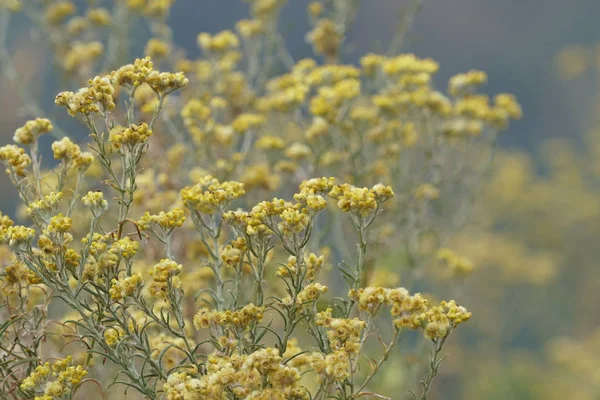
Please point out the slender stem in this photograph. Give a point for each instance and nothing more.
(35, 166)
(434, 365)
(404, 27)
(386, 355)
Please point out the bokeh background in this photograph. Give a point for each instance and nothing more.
(534, 233)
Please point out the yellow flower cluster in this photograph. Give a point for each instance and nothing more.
(166, 220)
(67, 378)
(194, 113)
(112, 335)
(456, 263)
(46, 206)
(238, 319)
(312, 191)
(125, 248)
(310, 293)
(294, 217)
(65, 150)
(330, 98)
(247, 121)
(17, 275)
(58, 224)
(209, 195)
(361, 201)
(462, 84)
(129, 137)
(99, 16)
(180, 385)
(55, 236)
(157, 48)
(164, 278)
(438, 321)
(414, 312)
(426, 191)
(312, 263)
(95, 201)
(331, 367)
(96, 97)
(283, 96)
(11, 5)
(371, 298)
(33, 129)
(126, 287)
(218, 43)
(343, 333)
(82, 54)
(151, 8)
(40, 373)
(5, 222)
(326, 38)
(408, 309)
(142, 71)
(58, 11)
(231, 255)
(15, 159)
(106, 252)
(249, 28)
(257, 376)
(134, 74)
(18, 237)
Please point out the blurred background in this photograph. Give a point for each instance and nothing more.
(533, 236)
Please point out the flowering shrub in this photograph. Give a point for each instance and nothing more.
(158, 254)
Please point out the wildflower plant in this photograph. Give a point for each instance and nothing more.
(177, 270)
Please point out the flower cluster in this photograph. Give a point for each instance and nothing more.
(343, 333)
(361, 201)
(33, 129)
(164, 278)
(254, 315)
(67, 378)
(209, 195)
(260, 375)
(131, 136)
(15, 159)
(239, 319)
(165, 220)
(456, 263)
(96, 97)
(142, 71)
(126, 287)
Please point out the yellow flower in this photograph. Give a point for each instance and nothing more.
(65, 150)
(209, 195)
(218, 43)
(131, 136)
(464, 83)
(310, 293)
(164, 277)
(249, 28)
(58, 11)
(325, 38)
(427, 192)
(99, 16)
(33, 129)
(15, 158)
(157, 48)
(126, 287)
(95, 201)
